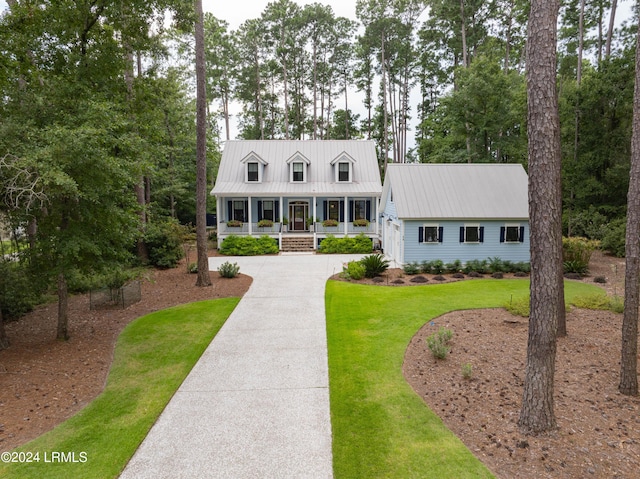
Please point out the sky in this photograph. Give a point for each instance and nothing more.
(236, 12)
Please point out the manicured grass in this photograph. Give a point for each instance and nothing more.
(153, 356)
(381, 428)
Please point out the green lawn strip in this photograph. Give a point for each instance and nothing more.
(153, 356)
(381, 428)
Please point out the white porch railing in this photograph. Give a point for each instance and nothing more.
(351, 229)
(244, 229)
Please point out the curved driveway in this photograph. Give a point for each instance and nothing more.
(256, 405)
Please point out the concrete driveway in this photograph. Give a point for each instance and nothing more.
(256, 405)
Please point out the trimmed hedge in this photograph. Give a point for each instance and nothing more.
(346, 245)
(248, 245)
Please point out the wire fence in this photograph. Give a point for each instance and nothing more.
(115, 298)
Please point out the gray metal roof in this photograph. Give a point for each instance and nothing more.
(454, 191)
(320, 173)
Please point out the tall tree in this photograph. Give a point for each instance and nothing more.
(201, 151)
(545, 216)
(629, 361)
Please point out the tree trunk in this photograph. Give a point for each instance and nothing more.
(201, 153)
(545, 204)
(4, 339)
(63, 309)
(385, 143)
(612, 22)
(629, 361)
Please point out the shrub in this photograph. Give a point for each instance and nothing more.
(411, 268)
(576, 254)
(467, 371)
(164, 243)
(374, 265)
(435, 266)
(519, 306)
(192, 268)
(454, 266)
(346, 245)
(476, 265)
(354, 270)
(248, 245)
(613, 240)
(599, 301)
(588, 223)
(438, 343)
(496, 265)
(19, 294)
(576, 267)
(600, 280)
(228, 270)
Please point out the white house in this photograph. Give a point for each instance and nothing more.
(289, 189)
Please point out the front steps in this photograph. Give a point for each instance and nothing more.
(297, 244)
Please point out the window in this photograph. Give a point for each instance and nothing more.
(267, 210)
(239, 210)
(252, 171)
(344, 170)
(512, 234)
(360, 210)
(471, 234)
(298, 171)
(333, 212)
(430, 234)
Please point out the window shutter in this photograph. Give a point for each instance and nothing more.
(462, 234)
(276, 210)
(350, 210)
(440, 233)
(522, 234)
(368, 210)
(341, 211)
(259, 210)
(481, 234)
(503, 231)
(246, 212)
(421, 234)
(325, 210)
(229, 210)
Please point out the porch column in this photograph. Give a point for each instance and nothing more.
(346, 215)
(315, 215)
(250, 216)
(218, 213)
(281, 212)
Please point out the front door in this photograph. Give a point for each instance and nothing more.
(298, 215)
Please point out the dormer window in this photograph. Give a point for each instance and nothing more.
(252, 171)
(343, 168)
(298, 168)
(253, 168)
(298, 171)
(344, 171)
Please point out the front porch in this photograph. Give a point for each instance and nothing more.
(315, 216)
(315, 231)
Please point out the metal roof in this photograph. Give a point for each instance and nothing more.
(455, 191)
(320, 172)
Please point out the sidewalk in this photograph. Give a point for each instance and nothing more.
(256, 405)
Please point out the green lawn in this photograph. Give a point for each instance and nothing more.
(381, 428)
(153, 356)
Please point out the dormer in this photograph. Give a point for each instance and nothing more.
(343, 168)
(253, 168)
(298, 168)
